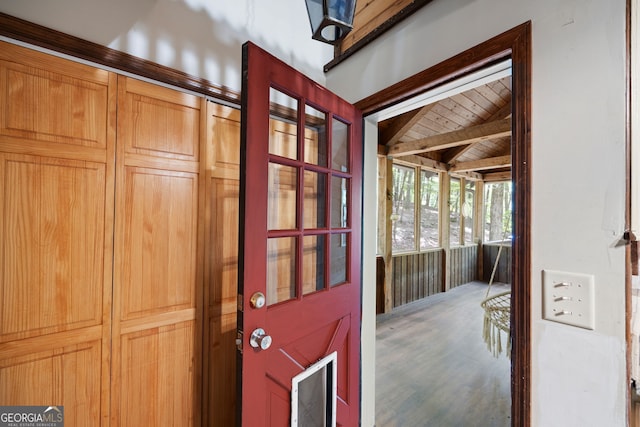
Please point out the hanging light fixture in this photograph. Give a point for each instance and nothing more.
(331, 20)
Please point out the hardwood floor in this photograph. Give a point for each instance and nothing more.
(433, 367)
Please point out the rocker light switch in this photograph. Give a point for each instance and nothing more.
(568, 298)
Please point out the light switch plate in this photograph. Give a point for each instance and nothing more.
(568, 298)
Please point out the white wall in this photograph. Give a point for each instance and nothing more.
(200, 37)
(578, 157)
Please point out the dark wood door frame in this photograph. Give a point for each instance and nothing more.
(514, 44)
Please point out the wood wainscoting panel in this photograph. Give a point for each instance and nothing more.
(503, 269)
(157, 331)
(463, 267)
(57, 179)
(417, 275)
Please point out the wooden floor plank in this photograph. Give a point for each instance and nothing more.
(433, 368)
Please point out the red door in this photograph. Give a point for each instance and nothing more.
(300, 248)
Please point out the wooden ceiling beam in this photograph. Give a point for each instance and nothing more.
(456, 138)
(497, 176)
(469, 176)
(482, 164)
(501, 114)
(456, 152)
(402, 125)
(431, 164)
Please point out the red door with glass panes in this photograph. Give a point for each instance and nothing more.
(300, 237)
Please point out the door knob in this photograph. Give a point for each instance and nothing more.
(259, 339)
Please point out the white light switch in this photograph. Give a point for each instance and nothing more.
(568, 298)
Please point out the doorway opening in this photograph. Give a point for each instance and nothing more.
(449, 226)
(512, 48)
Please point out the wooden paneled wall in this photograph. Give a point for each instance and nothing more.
(158, 257)
(503, 270)
(57, 177)
(464, 265)
(370, 15)
(221, 266)
(100, 237)
(417, 276)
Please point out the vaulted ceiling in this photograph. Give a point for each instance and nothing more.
(468, 134)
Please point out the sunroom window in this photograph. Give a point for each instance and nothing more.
(403, 216)
(429, 209)
(497, 211)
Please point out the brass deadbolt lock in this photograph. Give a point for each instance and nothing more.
(258, 300)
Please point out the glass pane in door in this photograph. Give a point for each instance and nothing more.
(281, 202)
(315, 137)
(313, 263)
(281, 269)
(339, 245)
(314, 210)
(283, 133)
(339, 146)
(339, 197)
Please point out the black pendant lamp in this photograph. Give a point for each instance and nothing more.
(331, 20)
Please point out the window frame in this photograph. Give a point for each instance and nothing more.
(417, 211)
(385, 180)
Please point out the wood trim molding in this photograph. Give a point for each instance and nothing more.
(490, 52)
(521, 255)
(56, 41)
(515, 44)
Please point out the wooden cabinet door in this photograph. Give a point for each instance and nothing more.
(157, 268)
(57, 136)
(221, 264)
(300, 213)
(101, 279)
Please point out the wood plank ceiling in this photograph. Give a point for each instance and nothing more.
(467, 135)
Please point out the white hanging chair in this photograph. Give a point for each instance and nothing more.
(497, 316)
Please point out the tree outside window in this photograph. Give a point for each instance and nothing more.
(497, 214)
(454, 211)
(467, 210)
(403, 216)
(429, 209)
